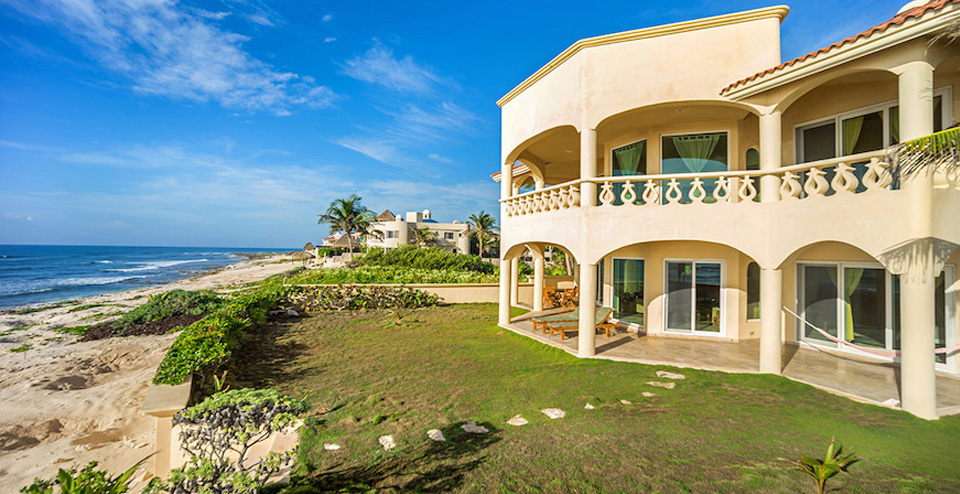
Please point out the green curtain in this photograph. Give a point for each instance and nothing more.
(851, 280)
(627, 160)
(895, 125)
(851, 133)
(695, 151)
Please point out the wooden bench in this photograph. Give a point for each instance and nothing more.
(561, 323)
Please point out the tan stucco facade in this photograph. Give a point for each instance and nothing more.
(777, 209)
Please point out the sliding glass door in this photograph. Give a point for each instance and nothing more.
(694, 292)
(628, 291)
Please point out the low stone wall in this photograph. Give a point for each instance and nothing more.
(459, 293)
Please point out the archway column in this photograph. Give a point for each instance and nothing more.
(588, 167)
(515, 281)
(538, 268)
(771, 299)
(918, 378)
(505, 276)
(587, 334)
(770, 155)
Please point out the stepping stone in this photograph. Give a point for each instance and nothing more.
(589, 407)
(554, 413)
(662, 385)
(436, 435)
(331, 446)
(647, 394)
(670, 375)
(387, 443)
(473, 428)
(517, 420)
(626, 402)
(892, 403)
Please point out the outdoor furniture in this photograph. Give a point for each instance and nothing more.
(568, 299)
(561, 323)
(540, 323)
(551, 297)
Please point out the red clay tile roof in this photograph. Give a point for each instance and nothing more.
(900, 18)
(518, 165)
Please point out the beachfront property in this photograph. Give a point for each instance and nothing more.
(743, 211)
(395, 231)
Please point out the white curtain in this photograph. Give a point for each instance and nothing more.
(627, 160)
(695, 151)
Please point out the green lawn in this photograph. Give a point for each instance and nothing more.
(443, 366)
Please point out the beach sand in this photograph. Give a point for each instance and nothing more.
(65, 403)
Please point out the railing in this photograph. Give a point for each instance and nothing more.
(840, 176)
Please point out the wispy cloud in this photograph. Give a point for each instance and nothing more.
(379, 66)
(330, 39)
(327, 17)
(441, 159)
(168, 50)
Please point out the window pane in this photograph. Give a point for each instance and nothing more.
(708, 297)
(694, 153)
(679, 294)
(600, 283)
(819, 143)
(630, 160)
(753, 159)
(753, 291)
(820, 300)
(865, 306)
(937, 113)
(628, 290)
(863, 133)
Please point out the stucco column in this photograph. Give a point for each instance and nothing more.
(915, 82)
(538, 265)
(770, 156)
(587, 333)
(506, 180)
(588, 167)
(515, 281)
(918, 379)
(505, 275)
(771, 299)
(537, 183)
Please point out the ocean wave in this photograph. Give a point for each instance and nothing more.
(105, 261)
(38, 286)
(154, 265)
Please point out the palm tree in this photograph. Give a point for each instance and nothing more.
(347, 215)
(423, 237)
(483, 226)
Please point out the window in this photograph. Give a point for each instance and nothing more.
(600, 283)
(694, 291)
(753, 291)
(817, 142)
(895, 119)
(391, 234)
(448, 235)
(628, 304)
(630, 159)
(752, 159)
(862, 134)
(694, 153)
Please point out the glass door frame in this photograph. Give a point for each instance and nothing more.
(693, 298)
(613, 281)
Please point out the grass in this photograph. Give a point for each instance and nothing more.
(31, 310)
(442, 366)
(20, 349)
(75, 330)
(90, 306)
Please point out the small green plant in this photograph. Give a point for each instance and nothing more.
(89, 480)
(169, 304)
(219, 383)
(75, 330)
(20, 349)
(823, 470)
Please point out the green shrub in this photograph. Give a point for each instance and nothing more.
(169, 304)
(362, 297)
(388, 274)
(89, 480)
(411, 256)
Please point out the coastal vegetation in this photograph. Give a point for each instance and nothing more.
(484, 228)
(429, 258)
(338, 298)
(350, 217)
(387, 274)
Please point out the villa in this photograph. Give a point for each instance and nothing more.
(711, 193)
(395, 231)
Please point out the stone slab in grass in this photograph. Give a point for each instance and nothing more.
(647, 394)
(387, 442)
(517, 421)
(331, 446)
(436, 435)
(554, 413)
(473, 428)
(626, 402)
(670, 375)
(662, 385)
(588, 407)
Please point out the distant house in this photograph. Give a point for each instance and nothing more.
(395, 230)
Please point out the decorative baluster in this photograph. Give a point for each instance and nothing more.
(697, 192)
(721, 193)
(878, 175)
(606, 194)
(844, 181)
(816, 185)
(651, 193)
(674, 195)
(628, 195)
(747, 190)
(790, 187)
(574, 196)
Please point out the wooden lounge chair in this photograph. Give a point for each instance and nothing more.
(540, 323)
(601, 321)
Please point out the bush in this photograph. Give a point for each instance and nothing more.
(228, 425)
(361, 297)
(89, 480)
(388, 274)
(169, 304)
(430, 258)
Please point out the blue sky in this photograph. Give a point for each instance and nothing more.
(234, 123)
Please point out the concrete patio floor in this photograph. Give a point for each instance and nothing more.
(862, 379)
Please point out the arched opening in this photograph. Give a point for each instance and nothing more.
(556, 152)
(752, 159)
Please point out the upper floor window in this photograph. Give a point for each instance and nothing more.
(448, 235)
(694, 153)
(752, 159)
(391, 234)
(630, 159)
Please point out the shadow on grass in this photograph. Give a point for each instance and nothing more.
(265, 357)
(427, 466)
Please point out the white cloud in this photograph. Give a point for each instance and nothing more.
(327, 17)
(171, 51)
(378, 66)
(329, 40)
(441, 159)
(381, 150)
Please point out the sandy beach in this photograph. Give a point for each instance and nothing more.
(65, 403)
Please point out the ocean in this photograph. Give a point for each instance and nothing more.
(32, 274)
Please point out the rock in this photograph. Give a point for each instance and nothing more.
(588, 407)
(626, 402)
(662, 385)
(291, 312)
(335, 446)
(892, 403)
(517, 420)
(387, 442)
(473, 428)
(436, 435)
(554, 413)
(647, 394)
(670, 375)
